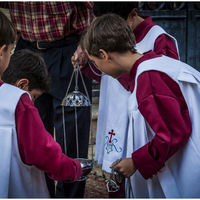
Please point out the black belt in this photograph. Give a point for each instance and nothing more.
(59, 43)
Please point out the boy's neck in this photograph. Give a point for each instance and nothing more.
(127, 60)
(137, 22)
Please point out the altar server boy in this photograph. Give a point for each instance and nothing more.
(111, 127)
(162, 144)
(27, 150)
(148, 36)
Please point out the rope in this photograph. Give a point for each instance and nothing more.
(129, 189)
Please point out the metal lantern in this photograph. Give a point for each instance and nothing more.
(77, 99)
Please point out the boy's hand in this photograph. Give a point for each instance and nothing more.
(126, 167)
(81, 57)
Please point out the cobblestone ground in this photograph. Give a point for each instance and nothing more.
(96, 181)
(95, 187)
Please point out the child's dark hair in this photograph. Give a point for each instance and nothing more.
(7, 31)
(109, 32)
(122, 9)
(27, 64)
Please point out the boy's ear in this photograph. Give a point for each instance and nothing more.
(133, 13)
(22, 83)
(104, 55)
(1, 51)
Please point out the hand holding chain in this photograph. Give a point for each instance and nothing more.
(112, 185)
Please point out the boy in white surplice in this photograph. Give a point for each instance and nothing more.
(27, 150)
(112, 127)
(162, 146)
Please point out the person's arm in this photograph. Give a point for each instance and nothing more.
(93, 73)
(162, 104)
(164, 45)
(37, 147)
(81, 57)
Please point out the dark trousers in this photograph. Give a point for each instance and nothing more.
(58, 61)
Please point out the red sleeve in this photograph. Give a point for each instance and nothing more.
(37, 147)
(164, 45)
(93, 73)
(162, 104)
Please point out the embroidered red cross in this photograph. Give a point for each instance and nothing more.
(111, 134)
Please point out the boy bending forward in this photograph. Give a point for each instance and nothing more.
(162, 144)
(27, 150)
